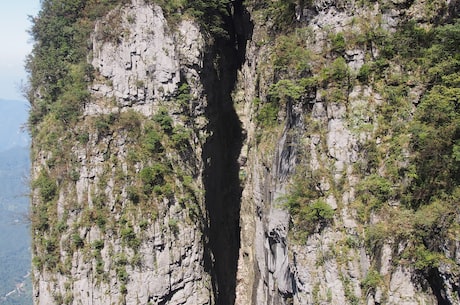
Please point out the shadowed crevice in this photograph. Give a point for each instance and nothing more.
(221, 152)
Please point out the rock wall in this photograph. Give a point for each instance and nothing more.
(177, 191)
(139, 65)
(317, 136)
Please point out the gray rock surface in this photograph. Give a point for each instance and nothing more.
(140, 69)
(137, 72)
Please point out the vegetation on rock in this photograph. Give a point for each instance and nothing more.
(400, 190)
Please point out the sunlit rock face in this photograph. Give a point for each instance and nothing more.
(139, 62)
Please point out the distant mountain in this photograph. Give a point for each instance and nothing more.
(14, 168)
(13, 117)
(15, 286)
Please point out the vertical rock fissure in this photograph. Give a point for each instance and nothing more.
(436, 283)
(220, 155)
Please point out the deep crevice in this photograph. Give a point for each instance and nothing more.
(221, 152)
(436, 283)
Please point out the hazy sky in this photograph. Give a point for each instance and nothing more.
(16, 44)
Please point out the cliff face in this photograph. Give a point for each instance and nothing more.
(267, 157)
(121, 244)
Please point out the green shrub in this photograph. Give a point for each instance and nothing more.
(283, 13)
(364, 73)
(291, 57)
(40, 218)
(435, 136)
(339, 70)
(152, 176)
(123, 289)
(210, 15)
(164, 190)
(136, 260)
(122, 274)
(37, 262)
(280, 93)
(74, 94)
(143, 224)
(164, 120)
(338, 44)
(61, 226)
(50, 244)
(267, 115)
(181, 138)
(127, 233)
(77, 241)
(46, 185)
(173, 225)
(375, 236)
(318, 212)
(51, 261)
(104, 123)
(99, 266)
(152, 142)
(129, 237)
(425, 259)
(101, 220)
(74, 175)
(98, 244)
(121, 260)
(57, 64)
(183, 95)
(308, 84)
(372, 280)
(349, 291)
(375, 190)
(308, 211)
(133, 194)
(83, 137)
(302, 191)
(285, 90)
(58, 298)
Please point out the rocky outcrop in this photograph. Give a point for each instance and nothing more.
(140, 65)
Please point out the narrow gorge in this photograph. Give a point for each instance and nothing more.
(221, 152)
(245, 152)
